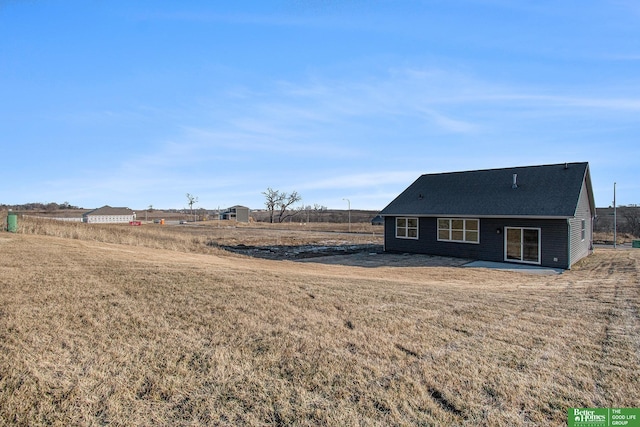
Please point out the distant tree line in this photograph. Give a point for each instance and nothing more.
(628, 220)
(308, 214)
(280, 208)
(49, 207)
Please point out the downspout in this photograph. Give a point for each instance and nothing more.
(384, 235)
(593, 221)
(569, 244)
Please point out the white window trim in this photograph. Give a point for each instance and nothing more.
(407, 218)
(583, 229)
(464, 230)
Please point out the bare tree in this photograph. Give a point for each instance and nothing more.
(631, 215)
(318, 211)
(287, 201)
(191, 200)
(272, 198)
(281, 201)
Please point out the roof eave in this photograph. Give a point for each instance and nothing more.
(452, 215)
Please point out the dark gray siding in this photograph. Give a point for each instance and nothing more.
(554, 240)
(581, 248)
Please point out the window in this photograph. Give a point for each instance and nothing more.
(584, 229)
(407, 228)
(459, 230)
(522, 245)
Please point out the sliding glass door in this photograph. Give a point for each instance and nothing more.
(522, 245)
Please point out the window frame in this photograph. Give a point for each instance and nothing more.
(522, 230)
(583, 229)
(406, 227)
(464, 230)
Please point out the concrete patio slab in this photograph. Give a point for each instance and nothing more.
(525, 268)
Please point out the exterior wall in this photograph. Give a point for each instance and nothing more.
(580, 248)
(55, 218)
(238, 213)
(242, 214)
(109, 219)
(553, 240)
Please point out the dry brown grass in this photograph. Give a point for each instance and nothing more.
(359, 227)
(148, 236)
(203, 237)
(621, 238)
(96, 333)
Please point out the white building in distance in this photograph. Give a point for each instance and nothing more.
(109, 215)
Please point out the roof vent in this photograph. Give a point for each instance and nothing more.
(515, 181)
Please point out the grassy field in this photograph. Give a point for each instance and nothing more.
(156, 326)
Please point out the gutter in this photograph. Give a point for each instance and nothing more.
(450, 215)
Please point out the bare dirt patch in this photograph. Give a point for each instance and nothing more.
(298, 252)
(97, 333)
(344, 253)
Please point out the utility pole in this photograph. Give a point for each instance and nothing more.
(349, 206)
(615, 219)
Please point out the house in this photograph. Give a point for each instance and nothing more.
(377, 220)
(109, 215)
(541, 215)
(237, 213)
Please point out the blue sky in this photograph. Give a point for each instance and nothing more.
(136, 103)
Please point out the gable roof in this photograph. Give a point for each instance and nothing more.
(108, 210)
(542, 191)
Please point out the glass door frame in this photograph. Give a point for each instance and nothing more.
(522, 243)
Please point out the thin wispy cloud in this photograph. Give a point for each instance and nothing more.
(360, 180)
(331, 98)
(317, 118)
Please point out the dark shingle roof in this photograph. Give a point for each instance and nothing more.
(108, 210)
(543, 191)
